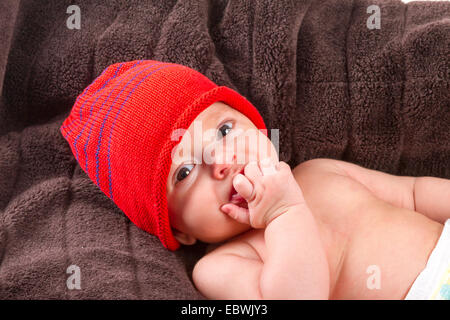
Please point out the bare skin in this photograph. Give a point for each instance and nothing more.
(310, 233)
(360, 226)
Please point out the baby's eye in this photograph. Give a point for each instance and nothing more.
(224, 130)
(183, 172)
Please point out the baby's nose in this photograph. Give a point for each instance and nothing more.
(220, 170)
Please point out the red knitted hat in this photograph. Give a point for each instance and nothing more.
(120, 126)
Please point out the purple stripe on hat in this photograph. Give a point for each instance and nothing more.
(85, 91)
(90, 112)
(106, 117)
(82, 95)
(114, 122)
(98, 114)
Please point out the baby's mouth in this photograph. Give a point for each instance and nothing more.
(236, 198)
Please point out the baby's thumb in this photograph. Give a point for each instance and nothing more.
(243, 186)
(237, 213)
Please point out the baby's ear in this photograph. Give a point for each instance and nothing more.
(184, 238)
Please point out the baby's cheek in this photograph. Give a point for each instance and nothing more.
(255, 146)
(198, 207)
(245, 148)
(267, 149)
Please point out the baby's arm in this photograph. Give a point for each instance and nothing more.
(427, 195)
(432, 197)
(295, 265)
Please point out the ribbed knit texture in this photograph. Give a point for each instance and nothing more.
(120, 126)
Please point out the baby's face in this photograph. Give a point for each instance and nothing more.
(203, 166)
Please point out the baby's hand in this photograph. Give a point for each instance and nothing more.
(270, 190)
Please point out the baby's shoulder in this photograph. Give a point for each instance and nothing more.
(317, 172)
(319, 165)
(327, 184)
(329, 171)
(237, 266)
(245, 245)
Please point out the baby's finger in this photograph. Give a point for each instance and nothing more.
(243, 186)
(237, 213)
(252, 171)
(267, 167)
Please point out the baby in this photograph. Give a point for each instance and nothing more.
(188, 160)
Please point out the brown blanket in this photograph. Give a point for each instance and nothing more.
(334, 88)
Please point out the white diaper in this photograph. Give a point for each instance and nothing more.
(433, 283)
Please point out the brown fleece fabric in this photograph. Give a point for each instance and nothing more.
(334, 88)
